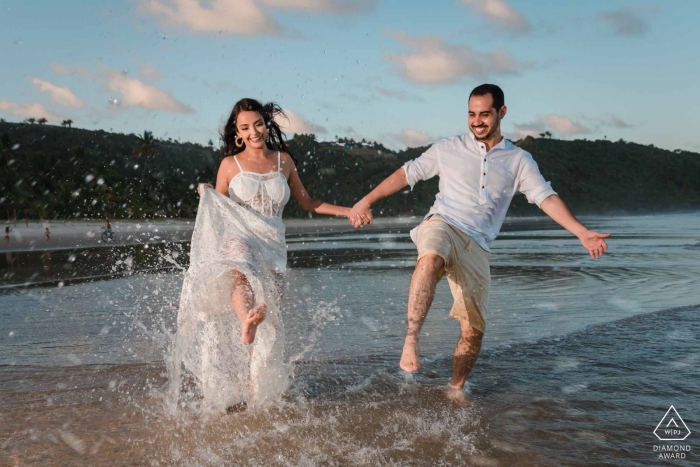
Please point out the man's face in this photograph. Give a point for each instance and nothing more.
(484, 121)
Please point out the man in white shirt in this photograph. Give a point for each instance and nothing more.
(479, 174)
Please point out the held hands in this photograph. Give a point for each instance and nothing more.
(360, 215)
(203, 185)
(593, 242)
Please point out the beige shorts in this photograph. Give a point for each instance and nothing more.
(467, 267)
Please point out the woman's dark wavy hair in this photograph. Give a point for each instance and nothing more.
(276, 138)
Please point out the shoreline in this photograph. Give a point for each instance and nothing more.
(68, 235)
(77, 234)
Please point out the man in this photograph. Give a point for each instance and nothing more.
(479, 174)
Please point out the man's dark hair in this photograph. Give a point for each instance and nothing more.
(495, 91)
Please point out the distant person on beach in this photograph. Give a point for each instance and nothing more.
(48, 234)
(479, 174)
(238, 262)
(7, 234)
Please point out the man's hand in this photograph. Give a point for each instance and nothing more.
(593, 242)
(360, 214)
(203, 185)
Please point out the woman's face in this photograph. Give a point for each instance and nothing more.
(251, 128)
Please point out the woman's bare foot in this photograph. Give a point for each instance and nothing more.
(250, 325)
(410, 357)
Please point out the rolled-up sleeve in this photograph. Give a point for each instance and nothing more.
(532, 184)
(424, 167)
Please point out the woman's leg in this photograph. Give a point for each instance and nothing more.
(243, 302)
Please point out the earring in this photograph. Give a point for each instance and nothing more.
(239, 144)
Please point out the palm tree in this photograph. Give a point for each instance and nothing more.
(39, 210)
(146, 147)
(67, 123)
(41, 121)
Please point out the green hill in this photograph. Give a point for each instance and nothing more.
(55, 172)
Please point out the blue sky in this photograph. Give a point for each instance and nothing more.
(394, 71)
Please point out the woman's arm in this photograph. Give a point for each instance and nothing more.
(306, 202)
(223, 178)
(225, 175)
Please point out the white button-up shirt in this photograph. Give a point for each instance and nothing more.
(476, 186)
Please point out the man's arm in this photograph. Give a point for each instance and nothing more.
(388, 187)
(592, 241)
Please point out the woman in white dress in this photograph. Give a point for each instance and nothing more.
(229, 344)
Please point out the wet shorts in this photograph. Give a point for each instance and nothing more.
(467, 267)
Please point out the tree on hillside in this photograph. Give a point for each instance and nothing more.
(547, 134)
(31, 120)
(145, 146)
(41, 121)
(67, 123)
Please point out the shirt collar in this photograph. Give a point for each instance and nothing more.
(503, 144)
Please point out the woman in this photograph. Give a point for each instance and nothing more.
(237, 263)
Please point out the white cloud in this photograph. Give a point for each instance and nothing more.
(500, 15)
(555, 123)
(629, 21)
(433, 63)
(617, 123)
(136, 93)
(34, 110)
(564, 125)
(148, 71)
(325, 6)
(242, 17)
(413, 138)
(238, 17)
(59, 95)
(61, 69)
(295, 123)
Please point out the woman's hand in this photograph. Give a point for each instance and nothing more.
(203, 185)
(360, 214)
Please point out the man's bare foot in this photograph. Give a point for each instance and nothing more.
(410, 357)
(457, 396)
(250, 325)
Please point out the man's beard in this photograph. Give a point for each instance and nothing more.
(490, 133)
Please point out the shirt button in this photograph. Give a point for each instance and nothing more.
(484, 173)
(482, 187)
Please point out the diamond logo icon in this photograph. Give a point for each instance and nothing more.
(672, 427)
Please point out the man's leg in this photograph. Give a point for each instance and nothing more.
(466, 353)
(420, 297)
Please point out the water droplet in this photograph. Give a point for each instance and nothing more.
(15, 146)
(100, 181)
(136, 166)
(71, 258)
(89, 178)
(11, 333)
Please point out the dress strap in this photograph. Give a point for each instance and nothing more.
(278, 162)
(238, 164)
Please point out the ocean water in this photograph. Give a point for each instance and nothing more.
(581, 360)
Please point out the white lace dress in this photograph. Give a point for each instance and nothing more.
(211, 369)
